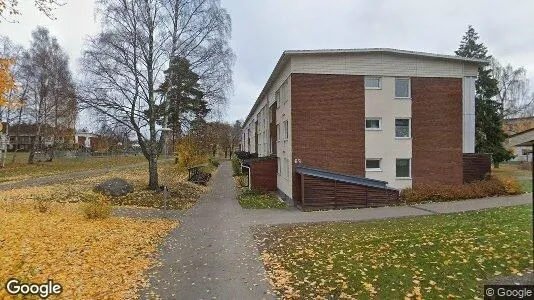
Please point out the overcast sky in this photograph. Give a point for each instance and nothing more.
(263, 29)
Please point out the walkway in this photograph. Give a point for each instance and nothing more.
(212, 255)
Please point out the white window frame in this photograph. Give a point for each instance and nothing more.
(379, 87)
(409, 169)
(409, 88)
(373, 129)
(287, 167)
(379, 169)
(409, 128)
(285, 130)
(278, 132)
(285, 92)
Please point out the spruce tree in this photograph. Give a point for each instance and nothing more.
(489, 134)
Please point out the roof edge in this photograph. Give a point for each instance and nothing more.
(288, 53)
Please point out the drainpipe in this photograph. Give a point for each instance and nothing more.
(249, 174)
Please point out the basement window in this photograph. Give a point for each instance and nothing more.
(403, 168)
(373, 124)
(373, 83)
(373, 164)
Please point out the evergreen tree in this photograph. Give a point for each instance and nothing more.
(184, 95)
(489, 134)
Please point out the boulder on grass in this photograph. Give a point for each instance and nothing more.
(114, 187)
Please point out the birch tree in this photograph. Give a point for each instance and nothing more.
(124, 64)
(514, 94)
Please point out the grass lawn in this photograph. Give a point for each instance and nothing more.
(433, 256)
(104, 259)
(255, 199)
(513, 170)
(18, 168)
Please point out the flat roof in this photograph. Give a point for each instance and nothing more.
(320, 173)
(288, 53)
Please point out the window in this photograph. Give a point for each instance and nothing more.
(286, 130)
(285, 92)
(278, 133)
(402, 168)
(373, 164)
(287, 165)
(402, 87)
(373, 83)
(279, 166)
(277, 98)
(402, 128)
(373, 124)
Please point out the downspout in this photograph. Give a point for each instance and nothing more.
(249, 174)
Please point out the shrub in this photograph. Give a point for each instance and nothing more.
(236, 166)
(438, 192)
(245, 155)
(189, 152)
(96, 206)
(242, 180)
(214, 162)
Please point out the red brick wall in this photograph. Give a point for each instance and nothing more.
(328, 113)
(476, 166)
(437, 130)
(263, 174)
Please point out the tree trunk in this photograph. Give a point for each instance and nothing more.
(153, 171)
(35, 143)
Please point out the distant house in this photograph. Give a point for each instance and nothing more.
(514, 127)
(87, 140)
(347, 126)
(22, 136)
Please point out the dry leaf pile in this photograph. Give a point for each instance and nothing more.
(103, 259)
(183, 194)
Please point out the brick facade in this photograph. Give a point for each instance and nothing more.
(437, 130)
(328, 113)
(477, 166)
(263, 174)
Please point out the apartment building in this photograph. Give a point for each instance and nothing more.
(379, 116)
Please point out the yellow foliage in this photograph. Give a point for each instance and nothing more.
(512, 186)
(91, 259)
(98, 206)
(189, 153)
(7, 83)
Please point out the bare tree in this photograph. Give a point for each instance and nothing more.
(514, 95)
(124, 64)
(45, 6)
(47, 82)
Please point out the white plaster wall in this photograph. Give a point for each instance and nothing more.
(284, 146)
(381, 103)
(468, 126)
(385, 64)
